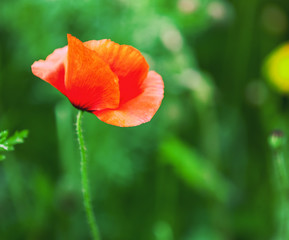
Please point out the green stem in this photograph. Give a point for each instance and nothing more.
(281, 168)
(277, 143)
(84, 180)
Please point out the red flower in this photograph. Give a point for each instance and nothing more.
(110, 80)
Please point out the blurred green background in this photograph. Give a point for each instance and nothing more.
(200, 170)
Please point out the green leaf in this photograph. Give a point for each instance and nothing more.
(8, 144)
(18, 137)
(197, 172)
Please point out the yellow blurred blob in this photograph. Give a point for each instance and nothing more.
(277, 68)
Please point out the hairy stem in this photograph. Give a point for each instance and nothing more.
(84, 180)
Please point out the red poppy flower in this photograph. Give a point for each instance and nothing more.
(109, 80)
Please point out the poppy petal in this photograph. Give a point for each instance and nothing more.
(51, 70)
(139, 109)
(126, 62)
(90, 83)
